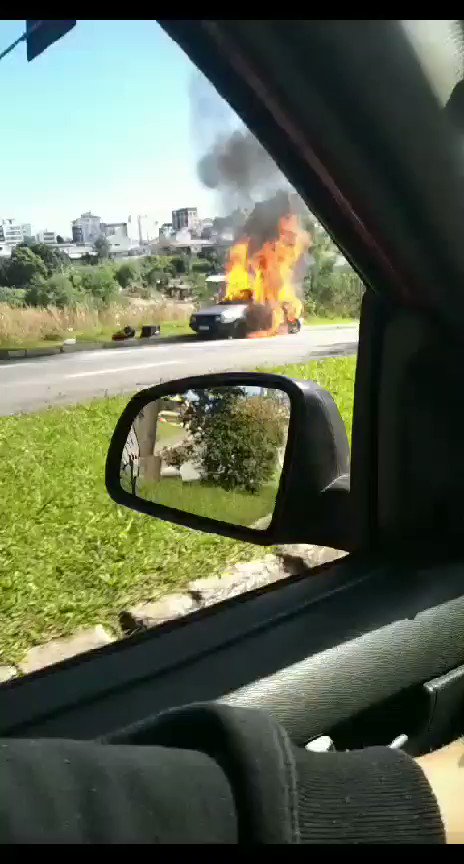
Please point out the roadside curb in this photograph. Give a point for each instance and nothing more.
(288, 560)
(331, 326)
(11, 354)
(23, 353)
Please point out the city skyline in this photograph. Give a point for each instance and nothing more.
(134, 220)
(94, 133)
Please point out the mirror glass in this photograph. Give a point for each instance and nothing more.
(215, 452)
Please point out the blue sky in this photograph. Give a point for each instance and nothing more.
(101, 121)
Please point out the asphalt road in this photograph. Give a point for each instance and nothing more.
(31, 384)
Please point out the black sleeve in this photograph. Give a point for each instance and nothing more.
(210, 773)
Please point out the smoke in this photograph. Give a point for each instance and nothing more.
(239, 168)
(262, 224)
(252, 192)
(230, 159)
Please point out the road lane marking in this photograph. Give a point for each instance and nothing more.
(139, 366)
(17, 364)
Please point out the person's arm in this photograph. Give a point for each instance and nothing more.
(444, 770)
(211, 773)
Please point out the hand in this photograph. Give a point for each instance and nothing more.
(444, 770)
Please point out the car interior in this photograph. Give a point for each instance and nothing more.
(363, 119)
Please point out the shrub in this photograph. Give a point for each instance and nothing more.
(236, 437)
(157, 270)
(4, 264)
(154, 277)
(24, 267)
(100, 283)
(127, 273)
(176, 456)
(138, 290)
(202, 266)
(335, 293)
(12, 296)
(56, 291)
(179, 264)
(102, 247)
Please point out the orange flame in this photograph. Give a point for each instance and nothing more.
(266, 278)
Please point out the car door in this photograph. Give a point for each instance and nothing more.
(369, 647)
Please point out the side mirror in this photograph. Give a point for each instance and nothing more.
(257, 457)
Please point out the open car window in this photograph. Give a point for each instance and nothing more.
(131, 189)
(439, 46)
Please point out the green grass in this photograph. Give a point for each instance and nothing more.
(240, 508)
(69, 557)
(319, 321)
(168, 328)
(31, 343)
(176, 328)
(335, 375)
(169, 432)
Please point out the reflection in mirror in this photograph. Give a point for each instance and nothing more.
(216, 452)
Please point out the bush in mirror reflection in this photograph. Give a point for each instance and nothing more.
(218, 452)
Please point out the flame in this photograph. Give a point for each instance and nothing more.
(266, 278)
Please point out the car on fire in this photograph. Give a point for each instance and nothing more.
(233, 319)
(260, 293)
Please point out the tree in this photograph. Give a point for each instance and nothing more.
(236, 436)
(176, 456)
(145, 425)
(202, 266)
(59, 238)
(100, 283)
(139, 463)
(179, 264)
(24, 267)
(4, 268)
(213, 256)
(156, 270)
(102, 247)
(54, 259)
(127, 273)
(57, 290)
(331, 290)
(155, 278)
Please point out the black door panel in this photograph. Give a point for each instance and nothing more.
(391, 628)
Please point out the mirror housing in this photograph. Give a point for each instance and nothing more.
(313, 501)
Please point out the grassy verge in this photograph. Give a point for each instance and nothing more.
(318, 321)
(32, 343)
(25, 327)
(168, 328)
(69, 557)
(239, 508)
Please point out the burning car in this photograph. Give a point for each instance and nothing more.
(233, 319)
(259, 293)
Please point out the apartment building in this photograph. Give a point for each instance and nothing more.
(13, 232)
(86, 228)
(185, 217)
(47, 237)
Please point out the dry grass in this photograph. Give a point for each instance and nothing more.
(32, 325)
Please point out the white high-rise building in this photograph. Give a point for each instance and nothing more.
(13, 232)
(47, 237)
